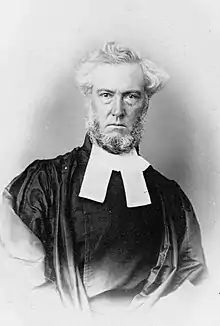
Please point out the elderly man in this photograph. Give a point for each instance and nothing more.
(100, 223)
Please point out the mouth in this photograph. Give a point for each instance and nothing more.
(116, 125)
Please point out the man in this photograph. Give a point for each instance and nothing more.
(100, 223)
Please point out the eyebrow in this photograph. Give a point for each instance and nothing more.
(132, 91)
(100, 90)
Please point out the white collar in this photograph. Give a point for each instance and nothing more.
(99, 170)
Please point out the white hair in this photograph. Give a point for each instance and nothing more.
(113, 53)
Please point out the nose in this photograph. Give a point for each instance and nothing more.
(117, 107)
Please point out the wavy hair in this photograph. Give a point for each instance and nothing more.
(113, 53)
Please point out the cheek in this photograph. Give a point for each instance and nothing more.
(100, 111)
(95, 108)
(134, 115)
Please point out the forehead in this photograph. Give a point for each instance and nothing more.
(118, 76)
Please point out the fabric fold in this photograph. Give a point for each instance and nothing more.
(21, 245)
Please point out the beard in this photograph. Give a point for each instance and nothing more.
(115, 144)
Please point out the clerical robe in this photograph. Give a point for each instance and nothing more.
(91, 250)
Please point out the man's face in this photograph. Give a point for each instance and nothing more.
(117, 99)
(118, 96)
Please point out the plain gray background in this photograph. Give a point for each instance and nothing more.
(42, 111)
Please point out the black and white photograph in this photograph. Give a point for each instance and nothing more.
(110, 163)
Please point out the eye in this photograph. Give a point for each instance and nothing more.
(106, 97)
(132, 98)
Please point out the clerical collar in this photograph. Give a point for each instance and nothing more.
(99, 170)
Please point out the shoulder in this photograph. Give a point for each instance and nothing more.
(40, 174)
(156, 179)
(46, 166)
(64, 161)
(169, 189)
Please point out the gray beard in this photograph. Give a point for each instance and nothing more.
(116, 144)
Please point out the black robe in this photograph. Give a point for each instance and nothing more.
(40, 200)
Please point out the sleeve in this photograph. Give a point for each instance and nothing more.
(192, 264)
(24, 210)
